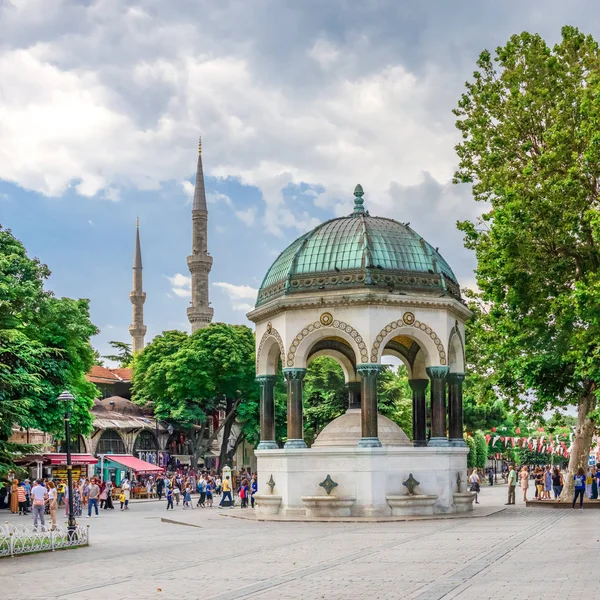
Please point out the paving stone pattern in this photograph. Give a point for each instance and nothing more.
(519, 552)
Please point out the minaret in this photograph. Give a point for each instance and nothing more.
(137, 329)
(199, 313)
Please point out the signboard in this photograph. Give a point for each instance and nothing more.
(591, 461)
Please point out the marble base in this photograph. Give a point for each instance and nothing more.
(328, 506)
(463, 502)
(369, 475)
(418, 505)
(267, 445)
(266, 504)
(294, 444)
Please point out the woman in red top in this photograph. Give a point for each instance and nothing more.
(22, 497)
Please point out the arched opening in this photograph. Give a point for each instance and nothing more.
(325, 395)
(145, 446)
(110, 442)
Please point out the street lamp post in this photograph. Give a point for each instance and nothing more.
(67, 398)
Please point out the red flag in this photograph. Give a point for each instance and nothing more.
(518, 430)
(493, 430)
(488, 437)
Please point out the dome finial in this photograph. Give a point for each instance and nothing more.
(359, 209)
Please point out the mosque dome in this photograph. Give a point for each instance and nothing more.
(359, 251)
(346, 431)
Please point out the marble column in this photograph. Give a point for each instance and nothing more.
(353, 388)
(437, 376)
(368, 393)
(267, 412)
(419, 411)
(455, 408)
(295, 424)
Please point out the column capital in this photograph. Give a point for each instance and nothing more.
(266, 379)
(368, 369)
(291, 374)
(437, 372)
(455, 377)
(418, 385)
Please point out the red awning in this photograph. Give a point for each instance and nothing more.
(76, 459)
(133, 463)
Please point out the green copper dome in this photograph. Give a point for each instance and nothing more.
(359, 251)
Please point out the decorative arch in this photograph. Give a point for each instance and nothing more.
(456, 350)
(111, 442)
(422, 332)
(264, 353)
(333, 327)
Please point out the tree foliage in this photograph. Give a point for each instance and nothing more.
(325, 395)
(187, 378)
(531, 150)
(481, 450)
(472, 456)
(395, 397)
(122, 356)
(44, 349)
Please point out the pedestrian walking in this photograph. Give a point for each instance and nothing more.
(187, 497)
(524, 482)
(512, 485)
(201, 492)
(126, 489)
(22, 499)
(108, 505)
(122, 499)
(93, 493)
(253, 489)
(226, 487)
(475, 484)
(210, 486)
(557, 483)
(588, 483)
(52, 503)
(14, 497)
(579, 480)
(170, 499)
(40, 496)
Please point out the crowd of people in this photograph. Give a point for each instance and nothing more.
(45, 496)
(548, 483)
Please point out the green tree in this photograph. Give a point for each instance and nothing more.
(325, 395)
(481, 450)
(123, 355)
(531, 151)
(472, 456)
(395, 397)
(44, 347)
(187, 378)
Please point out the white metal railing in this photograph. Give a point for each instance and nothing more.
(26, 539)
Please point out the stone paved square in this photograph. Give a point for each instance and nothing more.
(207, 554)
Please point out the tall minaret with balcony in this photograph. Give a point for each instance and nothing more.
(137, 329)
(200, 314)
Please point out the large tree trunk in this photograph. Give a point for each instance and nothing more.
(582, 441)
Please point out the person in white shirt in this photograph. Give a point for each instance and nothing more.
(39, 495)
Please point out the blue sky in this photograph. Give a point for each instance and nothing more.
(102, 102)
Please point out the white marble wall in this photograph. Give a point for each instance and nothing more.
(368, 474)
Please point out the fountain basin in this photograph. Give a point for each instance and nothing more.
(328, 506)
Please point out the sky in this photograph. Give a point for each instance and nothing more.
(102, 103)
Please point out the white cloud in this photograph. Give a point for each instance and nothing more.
(181, 285)
(324, 52)
(218, 198)
(248, 216)
(188, 189)
(237, 294)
